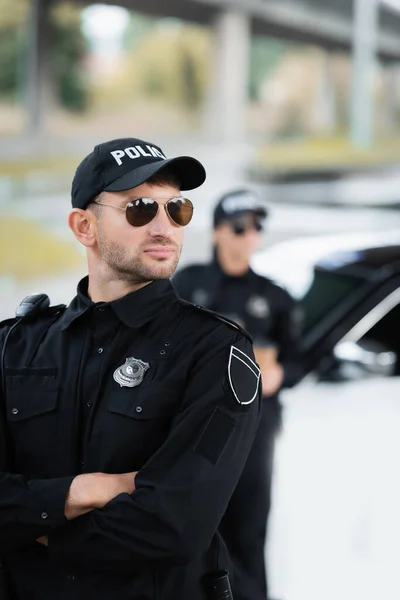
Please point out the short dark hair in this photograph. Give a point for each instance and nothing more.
(164, 177)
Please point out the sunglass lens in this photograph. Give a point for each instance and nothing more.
(258, 227)
(141, 211)
(180, 210)
(238, 229)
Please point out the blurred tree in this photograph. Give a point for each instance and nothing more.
(70, 47)
(266, 54)
(138, 26)
(10, 48)
(68, 51)
(170, 62)
(13, 14)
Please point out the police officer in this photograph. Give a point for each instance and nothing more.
(229, 286)
(129, 414)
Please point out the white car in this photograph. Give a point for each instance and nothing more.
(335, 530)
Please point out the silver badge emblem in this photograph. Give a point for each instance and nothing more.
(258, 307)
(131, 373)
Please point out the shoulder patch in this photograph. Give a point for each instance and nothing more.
(219, 317)
(243, 375)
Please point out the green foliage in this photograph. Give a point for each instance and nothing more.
(68, 49)
(137, 27)
(168, 61)
(265, 56)
(10, 50)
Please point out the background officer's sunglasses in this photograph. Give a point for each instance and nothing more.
(141, 211)
(242, 228)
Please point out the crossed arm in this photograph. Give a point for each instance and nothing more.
(180, 494)
(93, 490)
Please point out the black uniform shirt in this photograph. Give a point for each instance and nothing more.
(267, 311)
(146, 383)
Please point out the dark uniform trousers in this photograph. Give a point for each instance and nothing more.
(245, 537)
(147, 383)
(270, 315)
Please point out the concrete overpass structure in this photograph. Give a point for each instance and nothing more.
(367, 28)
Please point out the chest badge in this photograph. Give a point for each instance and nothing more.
(131, 373)
(258, 307)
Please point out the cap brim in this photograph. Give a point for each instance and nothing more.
(259, 212)
(189, 171)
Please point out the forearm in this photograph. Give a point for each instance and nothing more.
(93, 490)
(30, 508)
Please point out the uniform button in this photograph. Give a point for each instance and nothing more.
(89, 404)
(71, 577)
(44, 515)
(100, 350)
(101, 308)
(15, 411)
(139, 409)
(82, 463)
(162, 352)
(167, 344)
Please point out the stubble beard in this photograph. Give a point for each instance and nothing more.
(133, 269)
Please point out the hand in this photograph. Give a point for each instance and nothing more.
(272, 379)
(94, 490)
(44, 540)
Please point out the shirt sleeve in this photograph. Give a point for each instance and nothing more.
(184, 489)
(29, 508)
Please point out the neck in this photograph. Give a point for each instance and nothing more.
(106, 289)
(232, 265)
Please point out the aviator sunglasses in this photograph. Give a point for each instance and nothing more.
(141, 211)
(239, 228)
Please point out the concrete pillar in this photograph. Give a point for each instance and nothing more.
(392, 105)
(364, 56)
(226, 110)
(39, 92)
(325, 96)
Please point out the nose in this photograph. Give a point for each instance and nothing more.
(161, 225)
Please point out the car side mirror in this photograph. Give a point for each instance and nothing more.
(366, 357)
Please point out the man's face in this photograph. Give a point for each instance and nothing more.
(139, 254)
(239, 237)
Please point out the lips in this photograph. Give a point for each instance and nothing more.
(160, 251)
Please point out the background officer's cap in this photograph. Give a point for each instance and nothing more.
(125, 163)
(236, 203)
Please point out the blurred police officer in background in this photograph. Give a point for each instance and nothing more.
(229, 286)
(130, 413)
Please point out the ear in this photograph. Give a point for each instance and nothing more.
(83, 225)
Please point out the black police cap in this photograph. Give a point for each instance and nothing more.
(125, 163)
(236, 203)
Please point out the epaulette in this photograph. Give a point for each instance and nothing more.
(50, 311)
(9, 321)
(222, 318)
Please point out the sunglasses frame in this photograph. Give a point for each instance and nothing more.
(131, 204)
(242, 229)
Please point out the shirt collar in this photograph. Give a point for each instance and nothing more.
(134, 309)
(220, 274)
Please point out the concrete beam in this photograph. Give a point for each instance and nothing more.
(287, 19)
